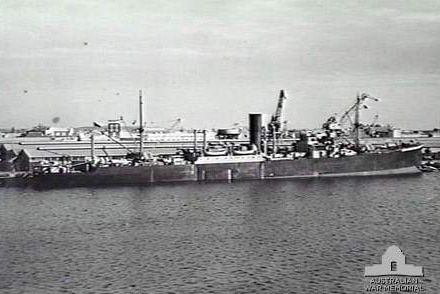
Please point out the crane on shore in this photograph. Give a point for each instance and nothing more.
(276, 120)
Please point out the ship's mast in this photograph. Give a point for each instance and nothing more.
(356, 121)
(141, 126)
(92, 147)
(355, 108)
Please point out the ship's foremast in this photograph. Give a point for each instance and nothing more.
(141, 127)
(357, 122)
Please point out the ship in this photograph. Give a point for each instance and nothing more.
(262, 159)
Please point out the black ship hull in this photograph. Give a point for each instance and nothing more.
(395, 162)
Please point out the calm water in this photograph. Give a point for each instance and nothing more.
(310, 236)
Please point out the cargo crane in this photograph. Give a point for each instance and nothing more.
(274, 126)
(174, 125)
(374, 122)
(370, 128)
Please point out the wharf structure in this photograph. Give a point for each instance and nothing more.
(24, 153)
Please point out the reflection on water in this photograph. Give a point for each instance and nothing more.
(308, 236)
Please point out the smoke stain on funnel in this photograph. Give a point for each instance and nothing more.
(255, 123)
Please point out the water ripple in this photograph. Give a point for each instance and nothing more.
(311, 236)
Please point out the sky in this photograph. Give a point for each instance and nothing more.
(212, 62)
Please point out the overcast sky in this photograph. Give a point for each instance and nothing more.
(211, 62)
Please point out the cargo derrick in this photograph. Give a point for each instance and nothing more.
(350, 119)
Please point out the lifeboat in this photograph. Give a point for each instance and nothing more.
(217, 150)
(228, 133)
(245, 151)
